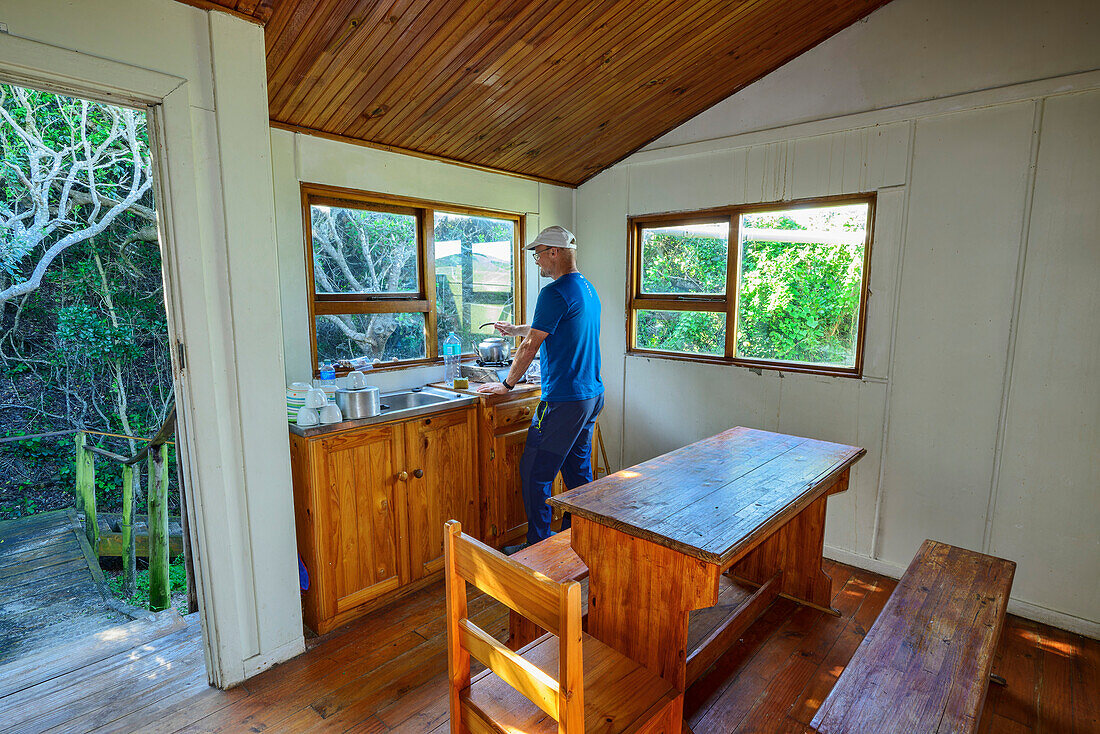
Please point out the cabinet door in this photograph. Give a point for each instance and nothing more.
(362, 519)
(509, 448)
(441, 455)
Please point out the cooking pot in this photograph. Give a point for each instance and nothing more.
(494, 349)
(360, 402)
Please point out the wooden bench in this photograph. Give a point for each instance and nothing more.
(925, 664)
(554, 558)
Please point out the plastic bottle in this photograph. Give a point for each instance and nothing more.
(328, 379)
(452, 349)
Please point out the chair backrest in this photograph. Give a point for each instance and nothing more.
(552, 606)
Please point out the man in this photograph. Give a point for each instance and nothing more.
(565, 332)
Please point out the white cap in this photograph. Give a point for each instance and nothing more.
(554, 236)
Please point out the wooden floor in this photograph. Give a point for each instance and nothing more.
(53, 591)
(387, 673)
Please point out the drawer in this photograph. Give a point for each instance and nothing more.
(510, 416)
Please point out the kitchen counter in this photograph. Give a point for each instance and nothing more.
(522, 390)
(451, 399)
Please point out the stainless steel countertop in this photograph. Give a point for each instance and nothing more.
(453, 400)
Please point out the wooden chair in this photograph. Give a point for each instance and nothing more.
(543, 687)
(555, 559)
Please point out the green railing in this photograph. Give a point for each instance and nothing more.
(155, 454)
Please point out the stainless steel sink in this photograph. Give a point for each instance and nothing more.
(397, 405)
(409, 399)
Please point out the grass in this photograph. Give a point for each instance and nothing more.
(177, 586)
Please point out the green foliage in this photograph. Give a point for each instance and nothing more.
(177, 584)
(89, 347)
(798, 302)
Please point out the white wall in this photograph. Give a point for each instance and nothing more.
(979, 408)
(298, 159)
(205, 74)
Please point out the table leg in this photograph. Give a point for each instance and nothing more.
(639, 596)
(795, 549)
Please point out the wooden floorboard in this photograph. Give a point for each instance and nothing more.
(387, 673)
(51, 594)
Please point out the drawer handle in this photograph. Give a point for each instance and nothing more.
(526, 410)
(418, 473)
(403, 476)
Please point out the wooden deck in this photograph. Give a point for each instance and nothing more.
(386, 672)
(53, 588)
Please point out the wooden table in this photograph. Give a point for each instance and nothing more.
(657, 538)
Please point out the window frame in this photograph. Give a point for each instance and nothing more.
(422, 301)
(637, 300)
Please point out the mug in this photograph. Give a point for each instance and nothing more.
(356, 380)
(330, 414)
(316, 398)
(307, 417)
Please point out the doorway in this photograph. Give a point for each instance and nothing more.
(87, 379)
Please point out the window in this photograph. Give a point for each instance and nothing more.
(781, 286)
(371, 258)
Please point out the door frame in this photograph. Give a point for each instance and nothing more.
(216, 501)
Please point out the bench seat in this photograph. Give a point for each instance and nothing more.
(555, 558)
(924, 666)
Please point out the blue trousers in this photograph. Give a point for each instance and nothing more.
(559, 440)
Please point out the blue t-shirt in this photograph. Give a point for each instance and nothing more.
(569, 311)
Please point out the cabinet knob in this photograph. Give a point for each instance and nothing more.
(403, 476)
(381, 571)
(526, 410)
(384, 505)
(418, 473)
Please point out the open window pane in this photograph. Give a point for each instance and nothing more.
(474, 275)
(685, 258)
(692, 332)
(363, 251)
(380, 337)
(801, 277)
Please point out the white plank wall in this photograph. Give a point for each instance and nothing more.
(979, 407)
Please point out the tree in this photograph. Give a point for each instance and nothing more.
(83, 333)
(70, 168)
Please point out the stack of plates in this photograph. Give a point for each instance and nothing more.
(295, 399)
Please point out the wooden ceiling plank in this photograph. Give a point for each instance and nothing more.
(379, 26)
(640, 134)
(635, 105)
(535, 77)
(627, 93)
(281, 14)
(453, 72)
(402, 87)
(277, 49)
(524, 87)
(482, 102)
(450, 19)
(304, 56)
(585, 84)
(587, 79)
(628, 108)
(364, 97)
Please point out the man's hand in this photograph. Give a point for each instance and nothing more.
(509, 329)
(493, 388)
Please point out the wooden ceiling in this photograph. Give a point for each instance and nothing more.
(556, 90)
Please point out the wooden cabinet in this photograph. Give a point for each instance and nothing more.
(370, 504)
(443, 452)
(502, 424)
